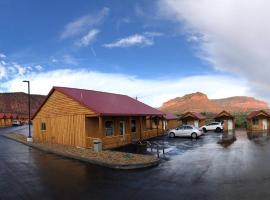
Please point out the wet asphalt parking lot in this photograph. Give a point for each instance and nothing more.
(192, 169)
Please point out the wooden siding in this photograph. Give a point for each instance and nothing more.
(257, 128)
(64, 119)
(173, 123)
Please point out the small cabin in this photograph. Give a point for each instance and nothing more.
(258, 121)
(193, 118)
(6, 119)
(227, 119)
(77, 117)
(171, 120)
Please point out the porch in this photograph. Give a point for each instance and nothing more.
(115, 131)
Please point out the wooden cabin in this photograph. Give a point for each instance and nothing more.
(76, 117)
(171, 121)
(258, 121)
(2, 120)
(6, 119)
(227, 119)
(193, 118)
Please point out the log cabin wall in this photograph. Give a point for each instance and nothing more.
(257, 127)
(64, 119)
(173, 123)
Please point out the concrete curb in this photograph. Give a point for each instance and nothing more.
(91, 161)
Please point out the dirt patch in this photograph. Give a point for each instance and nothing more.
(108, 158)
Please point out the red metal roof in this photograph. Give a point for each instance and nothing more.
(170, 116)
(2, 115)
(194, 114)
(255, 114)
(107, 104)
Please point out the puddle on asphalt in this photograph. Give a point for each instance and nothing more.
(259, 137)
(227, 139)
(178, 146)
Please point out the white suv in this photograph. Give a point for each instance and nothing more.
(213, 126)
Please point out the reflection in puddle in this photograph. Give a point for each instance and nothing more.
(227, 138)
(258, 134)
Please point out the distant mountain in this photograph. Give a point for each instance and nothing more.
(17, 102)
(199, 102)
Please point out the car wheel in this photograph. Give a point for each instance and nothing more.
(218, 129)
(171, 135)
(193, 135)
(204, 130)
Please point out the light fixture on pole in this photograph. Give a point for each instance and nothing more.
(29, 138)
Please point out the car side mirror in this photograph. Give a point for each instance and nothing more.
(177, 129)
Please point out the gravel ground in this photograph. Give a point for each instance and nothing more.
(107, 156)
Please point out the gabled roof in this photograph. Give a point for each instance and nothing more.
(104, 103)
(170, 116)
(195, 115)
(223, 113)
(257, 113)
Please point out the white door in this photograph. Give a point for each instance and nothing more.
(165, 124)
(264, 123)
(230, 125)
(196, 123)
(122, 128)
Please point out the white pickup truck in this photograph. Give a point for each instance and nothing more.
(213, 126)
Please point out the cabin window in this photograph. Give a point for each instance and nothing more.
(255, 121)
(43, 126)
(133, 125)
(109, 128)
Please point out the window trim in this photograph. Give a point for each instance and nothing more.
(132, 127)
(43, 126)
(112, 128)
(124, 128)
(255, 121)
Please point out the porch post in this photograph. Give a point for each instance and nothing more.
(151, 122)
(141, 128)
(157, 121)
(100, 126)
(162, 123)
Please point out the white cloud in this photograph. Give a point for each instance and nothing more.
(21, 69)
(88, 38)
(2, 55)
(84, 23)
(3, 71)
(142, 40)
(133, 40)
(38, 67)
(153, 34)
(68, 59)
(152, 92)
(234, 36)
(3, 62)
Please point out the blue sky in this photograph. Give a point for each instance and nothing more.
(156, 50)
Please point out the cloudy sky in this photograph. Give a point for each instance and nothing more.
(155, 50)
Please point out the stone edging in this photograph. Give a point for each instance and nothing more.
(91, 161)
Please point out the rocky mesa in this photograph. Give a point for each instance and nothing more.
(199, 102)
(17, 102)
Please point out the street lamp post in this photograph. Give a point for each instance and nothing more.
(29, 138)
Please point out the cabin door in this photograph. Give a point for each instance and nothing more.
(230, 125)
(196, 123)
(165, 124)
(264, 123)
